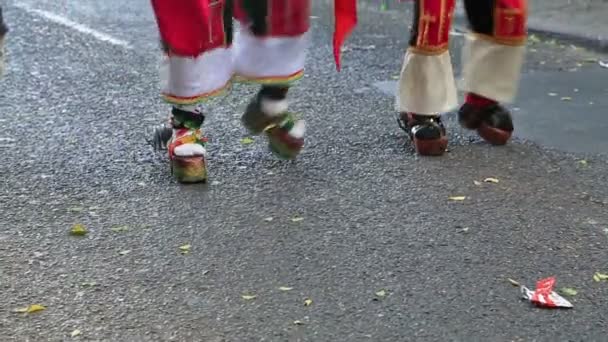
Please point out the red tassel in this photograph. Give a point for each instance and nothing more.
(346, 21)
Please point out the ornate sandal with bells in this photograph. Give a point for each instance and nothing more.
(184, 140)
(285, 133)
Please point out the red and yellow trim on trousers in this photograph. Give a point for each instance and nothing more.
(193, 100)
(273, 80)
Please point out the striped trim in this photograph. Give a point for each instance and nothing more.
(172, 99)
(429, 50)
(270, 80)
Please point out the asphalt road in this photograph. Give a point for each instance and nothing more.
(81, 87)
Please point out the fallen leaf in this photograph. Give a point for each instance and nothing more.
(458, 198)
(601, 276)
(307, 302)
(268, 219)
(491, 180)
(297, 219)
(249, 297)
(514, 282)
(596, 277)
(78, 230)
(395, 77)
(247, 141)
(124, 252)
(478, 183)
(185, 249)
(89, 284)
(285, 288)
(567, 291)
(583, 162)
(75, 209)
(566, 98)
(31, 309)
(75, 333)
(119, 229)
(296, 322)
(533, 39)
(552, 94)
(381, 294)
(365, 47)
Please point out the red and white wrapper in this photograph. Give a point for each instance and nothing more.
(544, 295)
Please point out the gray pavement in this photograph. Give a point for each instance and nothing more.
(575, 18)
(375, 216)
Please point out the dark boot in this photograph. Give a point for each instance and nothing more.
(427, 133)
(493, 123)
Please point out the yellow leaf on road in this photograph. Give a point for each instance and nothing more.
(75, 333)
(124, 252)
(31, 309)
(268, 219)
(285, 288)
(307, 302)
(458, 198)
(566, 98)
(297, 322)
(297, 219)
(533, 39)
(491, 180)
(514, 282)
(247, 141)
(185, 249)
(600, 276)
(478, 183)
(78, 230)
(568, 291)
(249, 297)
(119, 229)
(381, 294)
